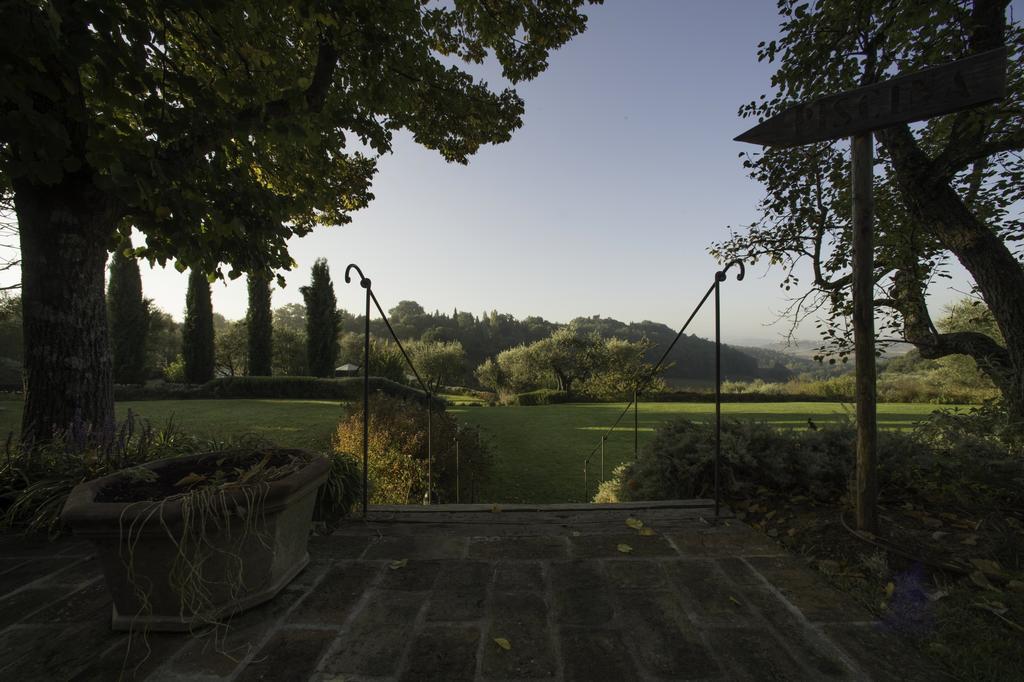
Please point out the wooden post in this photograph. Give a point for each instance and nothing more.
(862, 171)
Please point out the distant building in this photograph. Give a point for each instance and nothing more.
(346, 370)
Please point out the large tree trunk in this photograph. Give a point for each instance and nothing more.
(68, 369)
(999, 276)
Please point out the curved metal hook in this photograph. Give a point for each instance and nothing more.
(364, 281)
(720, 275)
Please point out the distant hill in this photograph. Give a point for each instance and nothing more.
(693, 357)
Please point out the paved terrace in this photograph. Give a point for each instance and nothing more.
(693, 601)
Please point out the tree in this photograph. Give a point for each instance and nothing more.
(290, 340)
(163, 340)
(291, 316)
(322, 321)
(197, 346)
(437, 362)
(232, 350)
(128, 313)
(572, 361)
(219, 132)
(259, 324)
(949, 188)
(289, 352)
(489, 375)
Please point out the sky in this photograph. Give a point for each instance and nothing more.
(604, 203)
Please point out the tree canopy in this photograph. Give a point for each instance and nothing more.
(946, 190)
(219, 131)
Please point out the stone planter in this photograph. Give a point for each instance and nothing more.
(239, 570)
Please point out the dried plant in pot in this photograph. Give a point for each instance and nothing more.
(188, 541)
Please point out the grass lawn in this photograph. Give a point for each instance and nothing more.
(291, 423)
(539, 451)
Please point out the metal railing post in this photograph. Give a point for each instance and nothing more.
(636, 425)
(720, 276)
(586, 483)
(364, 282)
(430, 450)
(718, 387)
(457, 479)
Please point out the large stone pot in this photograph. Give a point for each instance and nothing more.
(239, 569)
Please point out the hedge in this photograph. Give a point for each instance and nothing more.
(543, 396)
(308, 388)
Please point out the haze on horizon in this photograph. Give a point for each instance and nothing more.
(604, 203)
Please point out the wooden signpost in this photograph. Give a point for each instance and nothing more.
(943, 89)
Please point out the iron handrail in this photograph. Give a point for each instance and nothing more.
(720, 277)
(365, 283)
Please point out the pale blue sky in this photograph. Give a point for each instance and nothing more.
(603, 203)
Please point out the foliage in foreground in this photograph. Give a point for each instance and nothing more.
(398, 466)
(955, 457)
(35, 483)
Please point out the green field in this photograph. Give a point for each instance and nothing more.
(538, 451)
(292, 423)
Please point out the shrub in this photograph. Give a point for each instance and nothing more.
(398, 451)
(337, 497)
(543, 396)
(312, 388)
(955, 458)
(34, 483)
(175, 371)
(679, 462)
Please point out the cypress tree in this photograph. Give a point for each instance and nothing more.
(322, 321)
(128, 316)
(260, 325)
(197, 333)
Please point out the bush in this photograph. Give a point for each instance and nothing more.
(954, 458)
(34, 483)
(336, 498)
(543, 396)
(175, 371)
(398, 452)
(345, 389)
(679, 462)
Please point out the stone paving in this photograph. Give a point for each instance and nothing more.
(697, 600)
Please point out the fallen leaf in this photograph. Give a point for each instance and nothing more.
(734, 600)
(987, 566)
(624, 548)
(576, 533)
(190, 479)
(635, 524)
(398, 563)
(979, 579)
(770, 515)
(495, 509)
(970, 540)
(937, 595)
(1016, 585)
(773, 532)
(939, 534)
(791, 532)
(503, 643)
(889, 589)
(647, 532)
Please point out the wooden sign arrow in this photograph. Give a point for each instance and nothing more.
(943, 89)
